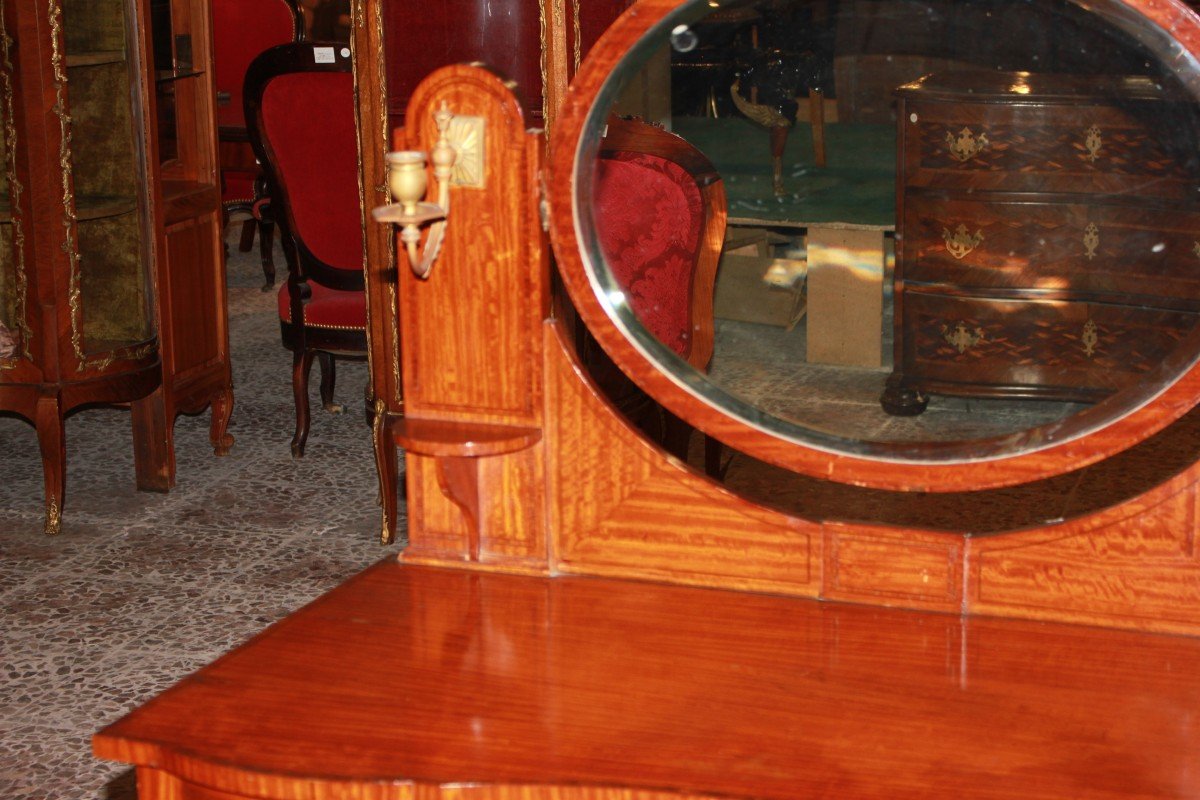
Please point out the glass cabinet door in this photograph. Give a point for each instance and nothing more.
(109, 284)
(14, 339)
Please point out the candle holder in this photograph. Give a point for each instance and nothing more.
(408, 184)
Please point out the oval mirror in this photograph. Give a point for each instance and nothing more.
(873, 240)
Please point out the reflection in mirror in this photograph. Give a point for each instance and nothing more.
(936, 222)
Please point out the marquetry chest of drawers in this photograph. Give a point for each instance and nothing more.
(1047, 237)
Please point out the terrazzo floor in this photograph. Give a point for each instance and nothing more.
(141, 589)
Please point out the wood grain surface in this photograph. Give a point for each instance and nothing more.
(411, 682)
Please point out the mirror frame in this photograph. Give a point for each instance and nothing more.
(966, 473)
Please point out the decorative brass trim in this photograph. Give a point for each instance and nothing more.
(578, 34)
(53, 524)
(69, 246)
(961, 338)
(1091, 240)
(468, 136)
(961, 242)
(377, 423)
(394, 315)
(543, 59)
(1090, 338)
(1093, 142)
(966, 145)
(15, 189)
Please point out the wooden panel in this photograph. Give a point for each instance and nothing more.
(1133, 566)
(622, 507)
(893, 567)
(1038, 141)
(420, 38)
(196, 336)
(479, 685)
(1043, 346)
(1142, 254)
(471, 346)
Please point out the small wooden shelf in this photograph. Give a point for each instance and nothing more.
(95, 58)
(465, 440)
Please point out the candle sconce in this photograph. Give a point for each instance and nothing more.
(408, 184)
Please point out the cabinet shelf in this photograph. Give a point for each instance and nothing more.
(95, 58)
(168, 76)
(102, 207)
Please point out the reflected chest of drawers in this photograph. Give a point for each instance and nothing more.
(1048, 236)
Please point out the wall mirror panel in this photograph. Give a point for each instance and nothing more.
(952, 232)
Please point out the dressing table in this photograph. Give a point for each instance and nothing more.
(580, 615)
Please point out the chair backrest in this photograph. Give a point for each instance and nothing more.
(300, 119)
(660, 215)
(241, 30)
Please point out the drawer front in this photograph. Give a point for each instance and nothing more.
(1128, 254)
(1044, 148)
(1084, 348)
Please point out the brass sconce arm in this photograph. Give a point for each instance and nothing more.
(408, 184)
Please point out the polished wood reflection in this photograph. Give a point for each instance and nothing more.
(423, 682)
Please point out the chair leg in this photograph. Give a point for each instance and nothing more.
(712, 459)
(247, 239)
(676, 434)
(266, 239)
(301, 366)
(328, 381)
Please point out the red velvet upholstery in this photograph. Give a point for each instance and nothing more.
(239, 186)
(327, 308)
(302, 114)
(241, 30)
(649, 216)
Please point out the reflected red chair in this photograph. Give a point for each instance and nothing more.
(660, 215)
(241, 30)
(301, 122)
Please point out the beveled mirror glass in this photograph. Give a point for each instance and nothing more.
(949, 230)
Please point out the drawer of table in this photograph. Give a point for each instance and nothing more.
(1127, 253)
(1086, 347)
(1045, 148)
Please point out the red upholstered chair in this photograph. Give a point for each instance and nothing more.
(241, 30)
(300, 118)
(660, 215)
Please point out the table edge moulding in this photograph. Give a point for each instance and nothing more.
(580, 615)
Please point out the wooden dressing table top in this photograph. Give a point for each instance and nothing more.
(433, 676)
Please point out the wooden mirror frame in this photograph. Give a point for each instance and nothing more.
(1085, 440)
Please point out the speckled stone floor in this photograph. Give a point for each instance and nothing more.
(140, 589)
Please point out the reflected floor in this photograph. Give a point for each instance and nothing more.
(766, 365)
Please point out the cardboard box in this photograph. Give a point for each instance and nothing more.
(761, 289)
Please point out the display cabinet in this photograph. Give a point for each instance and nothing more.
(190, 267)
(103, 244)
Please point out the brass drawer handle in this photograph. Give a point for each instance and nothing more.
(1090, 338)
(961, 241)
(961, 338)
(1092, 142)
(1091, 240)
(966, 145)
